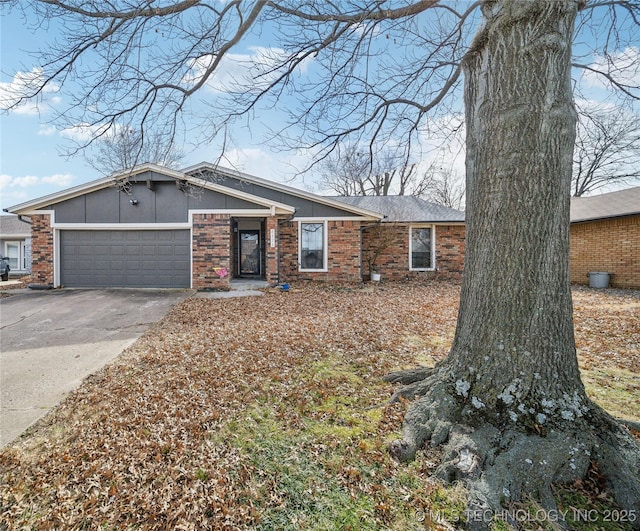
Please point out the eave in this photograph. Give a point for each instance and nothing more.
(32, 207)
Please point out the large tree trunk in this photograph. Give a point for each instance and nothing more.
(514, 342)
(509, 400)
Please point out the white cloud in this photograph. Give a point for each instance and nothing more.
(62, 180)
(254, 161)
(276, 167)
(18, 189)
(23, 84)
(82, 133)
(47, 131)
(25, 181)
(623, 66)
(59, 180)
(242, 72)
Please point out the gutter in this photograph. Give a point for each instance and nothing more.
(21, 217)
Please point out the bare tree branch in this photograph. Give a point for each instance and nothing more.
(607, 149)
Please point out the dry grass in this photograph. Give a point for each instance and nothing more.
(256, 413)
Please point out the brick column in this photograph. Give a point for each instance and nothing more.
(211, 241)
(272, 258)
(41, 249)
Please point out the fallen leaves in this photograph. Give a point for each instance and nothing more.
(262, 412)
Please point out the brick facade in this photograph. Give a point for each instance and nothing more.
(351, 242)
(450, 248)
(41, 249)
(343, 258)
(212, 239)
(608, 245)
(393, 260)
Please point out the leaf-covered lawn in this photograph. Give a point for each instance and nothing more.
(269, 413)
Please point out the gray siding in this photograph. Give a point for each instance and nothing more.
(162, 204)
(304, 207)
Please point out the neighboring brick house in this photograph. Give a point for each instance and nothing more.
(15, 244)
(202, 227)
(605, 237)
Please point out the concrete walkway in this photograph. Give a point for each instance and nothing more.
(51, 340)
(238, 287)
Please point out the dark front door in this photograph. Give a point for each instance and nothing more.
(250, 256)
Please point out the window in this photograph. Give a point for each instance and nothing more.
(16, 257)
(313, 246)
(421, 248)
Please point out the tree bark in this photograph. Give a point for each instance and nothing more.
(510, 393)
(514, 342)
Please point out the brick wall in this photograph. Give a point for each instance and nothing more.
(343, 258)
(346, 250)
(393, 262)
(41, 249)
(450, 249)
(212, 247)
(610, 245)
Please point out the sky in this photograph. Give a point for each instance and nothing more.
(32, 146)
(34, 157)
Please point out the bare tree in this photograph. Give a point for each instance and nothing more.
(445, 189)
(607, 149)
(508, 402)
(344, 171)
(125, 148)
(349, 171)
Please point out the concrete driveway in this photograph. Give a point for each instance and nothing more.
(51, 340)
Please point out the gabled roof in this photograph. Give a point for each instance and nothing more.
(105, 182)
(405, 208)
(609, 205)
(359, 210)
(196, 175)
(14, 227)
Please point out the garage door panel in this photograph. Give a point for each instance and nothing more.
(114, 258)
(154, 236)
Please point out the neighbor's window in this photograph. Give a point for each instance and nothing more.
(313, 246)
(421, 248)
(12, 251)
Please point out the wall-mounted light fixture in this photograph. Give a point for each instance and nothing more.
(134, 202)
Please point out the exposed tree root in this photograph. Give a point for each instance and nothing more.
(503, 464)
(631, 424)
(409, 376)
(416, 382)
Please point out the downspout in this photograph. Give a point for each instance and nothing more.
(21, 217)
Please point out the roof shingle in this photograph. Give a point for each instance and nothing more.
(13, 226)
(609, 205)
(404, 208)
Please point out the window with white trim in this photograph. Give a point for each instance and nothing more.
(15, 252)
(421, 248)
(312, 252)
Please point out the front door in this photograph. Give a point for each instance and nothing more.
(250, 256)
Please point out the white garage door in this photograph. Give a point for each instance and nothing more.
(125, 259)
